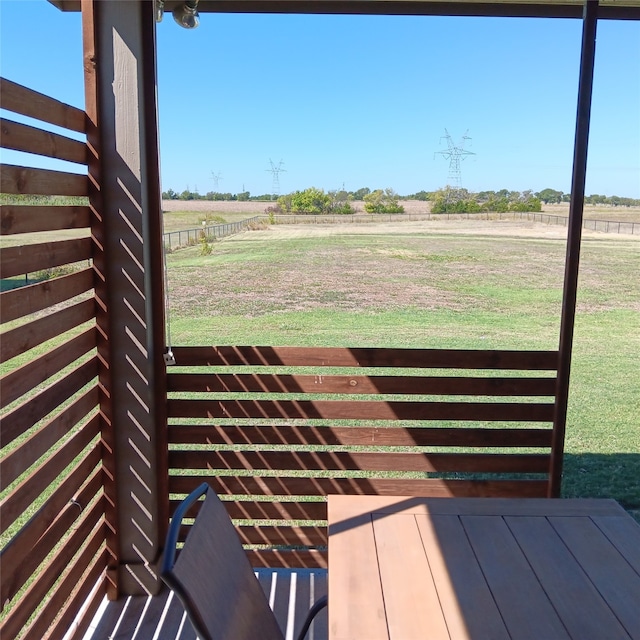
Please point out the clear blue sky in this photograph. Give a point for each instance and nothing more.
(362, 101)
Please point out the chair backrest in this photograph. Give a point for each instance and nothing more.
(213, 578)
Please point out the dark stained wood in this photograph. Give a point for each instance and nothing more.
(296, 536)
(29, 258)
(359, 435)
(32, 487)
(24, 180)
(91, 556)
(21, 137)
(39, 443)
(296, 486)
(31, 334)
(293, 558)
(365, 357)
(18, 303)
(363, 410)
(14, 97)
(27, 377)
(24, 416)
(574, 237)
(244, 509)
(319, 384)
(79, 602)
(29, 219)
(348, 461)
(40, 535)
(49, 573)
(610, 9)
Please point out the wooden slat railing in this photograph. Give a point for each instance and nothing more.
(52, 501)
(273, 434)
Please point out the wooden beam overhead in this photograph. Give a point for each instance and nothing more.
(609, 9)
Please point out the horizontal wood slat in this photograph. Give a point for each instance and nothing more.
(21, 137)
(295, 466)
(70, 582)
(38, 444)
(56, 565)
(27, 377)
(53, 519)
(31, 334)
(365, 357)
(285, 486)
(28, 491)
(289, 558)
(14, 97)
(348, 410)
(266, 383)
(25, 180)
(373, 436)
(29, 258)
(29, 219)
(262, 510)
(24, 301)
(27, 414)
(355, 461)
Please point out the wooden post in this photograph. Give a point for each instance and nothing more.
(572, 260)
(120, 78)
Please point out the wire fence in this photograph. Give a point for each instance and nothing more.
(606, 226)
(174, 239)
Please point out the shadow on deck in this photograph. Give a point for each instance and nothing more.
(290, 593)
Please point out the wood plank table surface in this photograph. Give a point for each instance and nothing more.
(482, 568)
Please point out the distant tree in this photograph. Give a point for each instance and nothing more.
(361, 193)
(424, 196)
(380, 201)
(170, 194)
(550, 196)
(243, 196)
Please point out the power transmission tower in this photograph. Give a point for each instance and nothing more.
(455, 154)
(216, 177)
(275, 171)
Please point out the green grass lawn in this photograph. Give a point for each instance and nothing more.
(416, 287)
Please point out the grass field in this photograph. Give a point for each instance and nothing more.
(460, 284)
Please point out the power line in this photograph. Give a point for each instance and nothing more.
(455, 154)
(275, 171)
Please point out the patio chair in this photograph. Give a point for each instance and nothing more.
(213, 579)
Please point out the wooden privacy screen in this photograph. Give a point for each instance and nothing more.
(276, 429)
(52, 509)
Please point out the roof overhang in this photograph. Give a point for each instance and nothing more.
(609, 9)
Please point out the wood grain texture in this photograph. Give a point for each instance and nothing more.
(31, 334)
(19, 99)
(18, 303)
(363, 385)
(29, 258)
(365, 357)
(359, 435)
(361, 410)
(30, 219)
(27, 377)
(46, 182)
(352, 461)
(19, 420)
(21, 137)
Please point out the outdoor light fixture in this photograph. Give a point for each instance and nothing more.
(186, 15)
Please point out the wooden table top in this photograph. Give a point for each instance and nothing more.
(430, 568)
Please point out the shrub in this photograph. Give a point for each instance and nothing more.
(380, 201)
